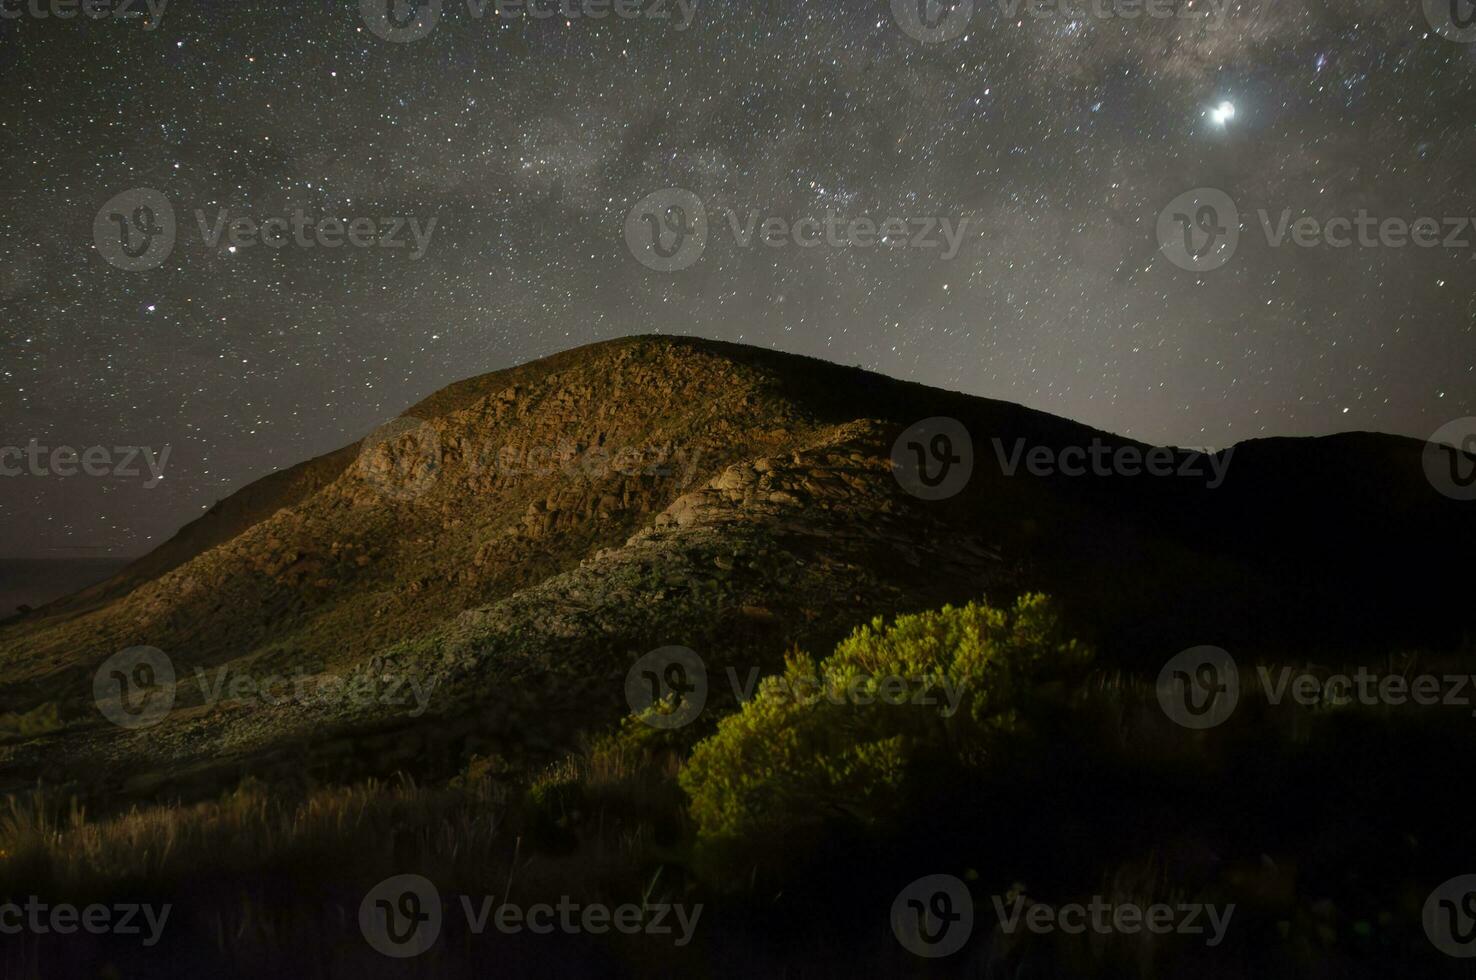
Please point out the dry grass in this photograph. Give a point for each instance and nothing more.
(259, 876)
(43, 840)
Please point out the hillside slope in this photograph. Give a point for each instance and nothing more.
(524, 536)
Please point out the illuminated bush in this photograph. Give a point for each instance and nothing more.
(849, 738)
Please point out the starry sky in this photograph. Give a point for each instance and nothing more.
(1057, 134)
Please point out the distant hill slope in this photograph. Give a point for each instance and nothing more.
(540, 528)
(33, 582)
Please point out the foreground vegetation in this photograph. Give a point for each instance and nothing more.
(798, 819)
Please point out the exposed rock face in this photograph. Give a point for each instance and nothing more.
(518, 539)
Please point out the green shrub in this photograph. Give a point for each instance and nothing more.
(817, 743)
(38, 721)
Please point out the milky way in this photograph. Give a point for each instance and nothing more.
(1054, 134)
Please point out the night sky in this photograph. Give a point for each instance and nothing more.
(1056, 139)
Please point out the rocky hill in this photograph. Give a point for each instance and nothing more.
(516, 541)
